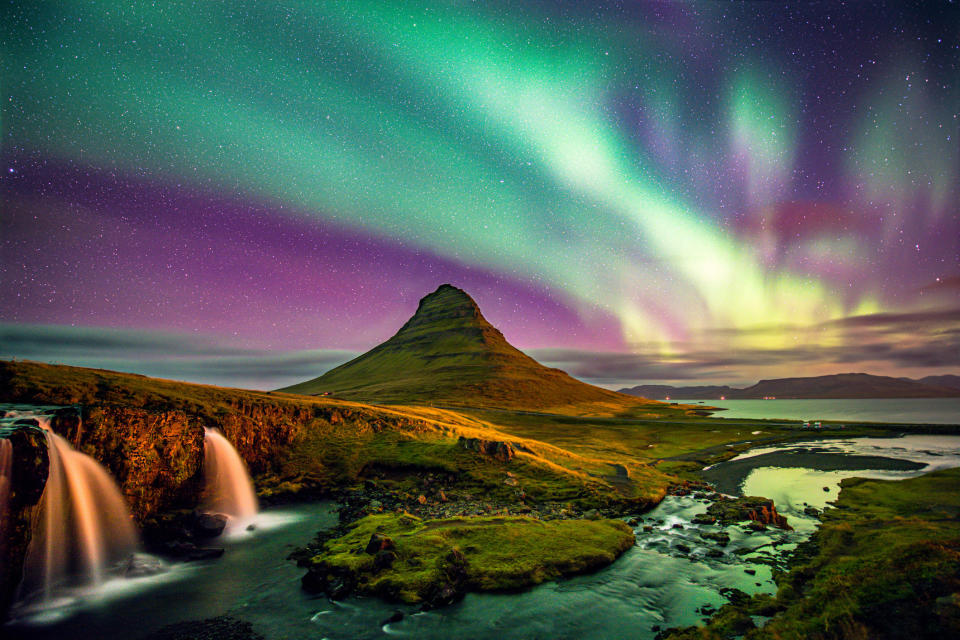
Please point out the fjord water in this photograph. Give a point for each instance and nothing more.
(903, 410)
(228, 488)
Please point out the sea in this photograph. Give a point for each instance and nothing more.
(904, 410)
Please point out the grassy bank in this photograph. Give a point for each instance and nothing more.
(401, 557)
(884, 564)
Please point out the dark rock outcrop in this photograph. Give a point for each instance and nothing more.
(30, 466)
(219, 628)
(379, 542)
(502, 451)
(209, 525)
(761, 511)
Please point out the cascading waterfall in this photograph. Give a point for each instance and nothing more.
(83, 526)
(228, 488)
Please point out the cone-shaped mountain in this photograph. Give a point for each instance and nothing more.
(448, 354)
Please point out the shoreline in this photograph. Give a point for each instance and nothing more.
(728, 476)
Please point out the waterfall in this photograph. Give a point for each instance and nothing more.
(228, 488)
(83, 527)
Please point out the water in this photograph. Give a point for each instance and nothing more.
(651, 584)
(904, 410)
(792, 488)
(84, 527)
(253, 580)
(656, 583)
(228, 488)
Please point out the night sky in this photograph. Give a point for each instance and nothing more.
(248, 193)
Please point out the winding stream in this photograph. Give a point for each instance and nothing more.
(668, 579)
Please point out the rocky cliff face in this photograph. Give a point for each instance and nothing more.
(149, 433)
(155, 457)
(29, 476)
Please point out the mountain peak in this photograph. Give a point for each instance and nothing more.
(450, 301)
(447, 353)
(447, 309)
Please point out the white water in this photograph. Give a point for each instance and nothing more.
(83, 527)
(228, 488)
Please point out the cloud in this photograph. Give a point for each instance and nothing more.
(166, 355)
(940, 350)
(896, 322)
(896, 341)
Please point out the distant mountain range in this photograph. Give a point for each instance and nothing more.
(447, 354)
(842, 385)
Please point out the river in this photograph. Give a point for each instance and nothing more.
(667, 579)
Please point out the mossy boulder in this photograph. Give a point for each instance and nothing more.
(435, 562)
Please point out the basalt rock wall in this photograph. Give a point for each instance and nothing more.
(29, 476)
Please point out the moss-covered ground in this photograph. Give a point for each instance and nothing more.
(884, 564)
(435, 561)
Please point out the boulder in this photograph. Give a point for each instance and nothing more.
(757, 510)
(379, 542)
(722, 538)
(209, 525)
(139, 565)
(397, 616)
(496, 449)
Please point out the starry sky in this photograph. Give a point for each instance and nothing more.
(249, 193)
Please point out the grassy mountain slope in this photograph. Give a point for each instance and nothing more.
(447, 354)
(148, 432)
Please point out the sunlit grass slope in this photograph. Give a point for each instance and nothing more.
(291, 442)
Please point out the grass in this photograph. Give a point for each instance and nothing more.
(479, 553)
(884, 564)
(292, 442)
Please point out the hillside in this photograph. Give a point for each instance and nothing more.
(951, 382)
(842, 385)
(447, 354)
(845, 385)
(148, 433)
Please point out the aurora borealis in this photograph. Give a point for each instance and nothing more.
(248, 192)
